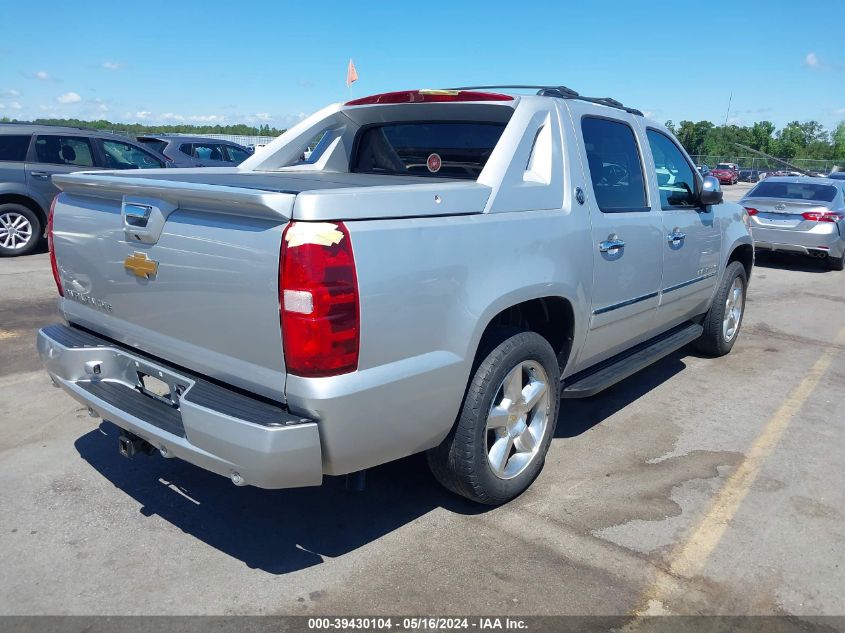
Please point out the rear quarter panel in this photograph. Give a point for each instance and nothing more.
(428, 288)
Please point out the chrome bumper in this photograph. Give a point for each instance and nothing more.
(250, 440)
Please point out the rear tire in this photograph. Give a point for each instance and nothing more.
(724, 318)
(499, 442)
(836, 263)
(20, 230)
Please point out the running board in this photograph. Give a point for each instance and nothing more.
(590, 381)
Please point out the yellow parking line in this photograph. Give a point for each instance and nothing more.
(689, 559)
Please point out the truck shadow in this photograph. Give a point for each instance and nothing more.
(579, 415)
(280, 531)
(277, 531)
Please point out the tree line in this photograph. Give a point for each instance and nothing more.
(796, 140)
(137, 129)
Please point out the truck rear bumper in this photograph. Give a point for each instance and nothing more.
(250, 440)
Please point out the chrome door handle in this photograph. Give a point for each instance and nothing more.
(39, 174)
(675, 237)
(611, 245)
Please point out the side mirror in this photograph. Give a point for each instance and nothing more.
(711, 191)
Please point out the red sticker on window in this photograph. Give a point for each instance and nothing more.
(434, 163)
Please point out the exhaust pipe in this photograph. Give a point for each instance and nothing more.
(129, 444)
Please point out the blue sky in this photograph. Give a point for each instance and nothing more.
(274, 62)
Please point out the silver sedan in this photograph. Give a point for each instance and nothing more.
(799, 215)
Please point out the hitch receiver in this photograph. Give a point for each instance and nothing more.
(128, 444)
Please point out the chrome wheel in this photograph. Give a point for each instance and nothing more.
(518, 419)
(15, 230)
(734, 304)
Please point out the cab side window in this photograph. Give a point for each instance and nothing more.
(615, 166)
(675, 178)
(64, 150)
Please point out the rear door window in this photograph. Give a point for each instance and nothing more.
(615, 166)
(208, 151)
(119, 155)
(236, 154)
(794, 191)
(64, 150)
(13, 147)
(438, 149)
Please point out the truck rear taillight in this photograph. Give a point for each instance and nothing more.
(823, 216)
(52, 249)
(318, 300)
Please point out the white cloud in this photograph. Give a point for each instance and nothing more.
(143, 114)
(69, 97)
(206, 118)
(42, 75)
(14, 105)
(111, 65)
(839, 111)
(262, 116)
(812, 60)
(103, 107)
(10, 92)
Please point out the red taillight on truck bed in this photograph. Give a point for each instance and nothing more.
(823, 216)
(50, 246)
(318, 300)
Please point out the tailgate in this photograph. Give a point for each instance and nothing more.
(185, 272)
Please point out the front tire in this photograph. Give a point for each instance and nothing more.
(724, 318)
(20, 230)
(500, 439)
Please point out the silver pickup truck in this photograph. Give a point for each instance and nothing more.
(440, 273)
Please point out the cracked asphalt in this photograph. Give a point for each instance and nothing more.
(696, 486)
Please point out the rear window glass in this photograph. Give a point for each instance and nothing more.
(154, 143)
(13, 148)
(794, 191)
(437, 149)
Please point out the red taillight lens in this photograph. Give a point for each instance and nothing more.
(318, 300)
(751, 210)
(52, 249)
(823, 216)
(429, 96)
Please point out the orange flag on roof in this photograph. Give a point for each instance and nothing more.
(351, 74)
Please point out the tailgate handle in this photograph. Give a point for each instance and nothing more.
(137, 215)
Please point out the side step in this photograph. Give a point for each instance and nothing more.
(590, 381)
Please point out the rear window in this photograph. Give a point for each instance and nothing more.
(437, 149)
(154, 143)
(794, 191)
(13, 148)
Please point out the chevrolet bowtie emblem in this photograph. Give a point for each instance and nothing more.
(141, 265)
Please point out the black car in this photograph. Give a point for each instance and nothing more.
(30, 154)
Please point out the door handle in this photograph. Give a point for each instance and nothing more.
(611, 245)
(39, 174)
(675, 236)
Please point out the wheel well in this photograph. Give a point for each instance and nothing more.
(744, 254)
(551, 317)
(29, 203)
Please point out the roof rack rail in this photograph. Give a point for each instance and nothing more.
(33, 124)
(561, 92)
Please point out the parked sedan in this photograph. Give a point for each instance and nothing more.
(750, 175)
(196, 151)
(799, 215)
(726, 174)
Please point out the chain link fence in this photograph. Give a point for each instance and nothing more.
(758, 162)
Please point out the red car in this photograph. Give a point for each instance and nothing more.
(727, 173)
